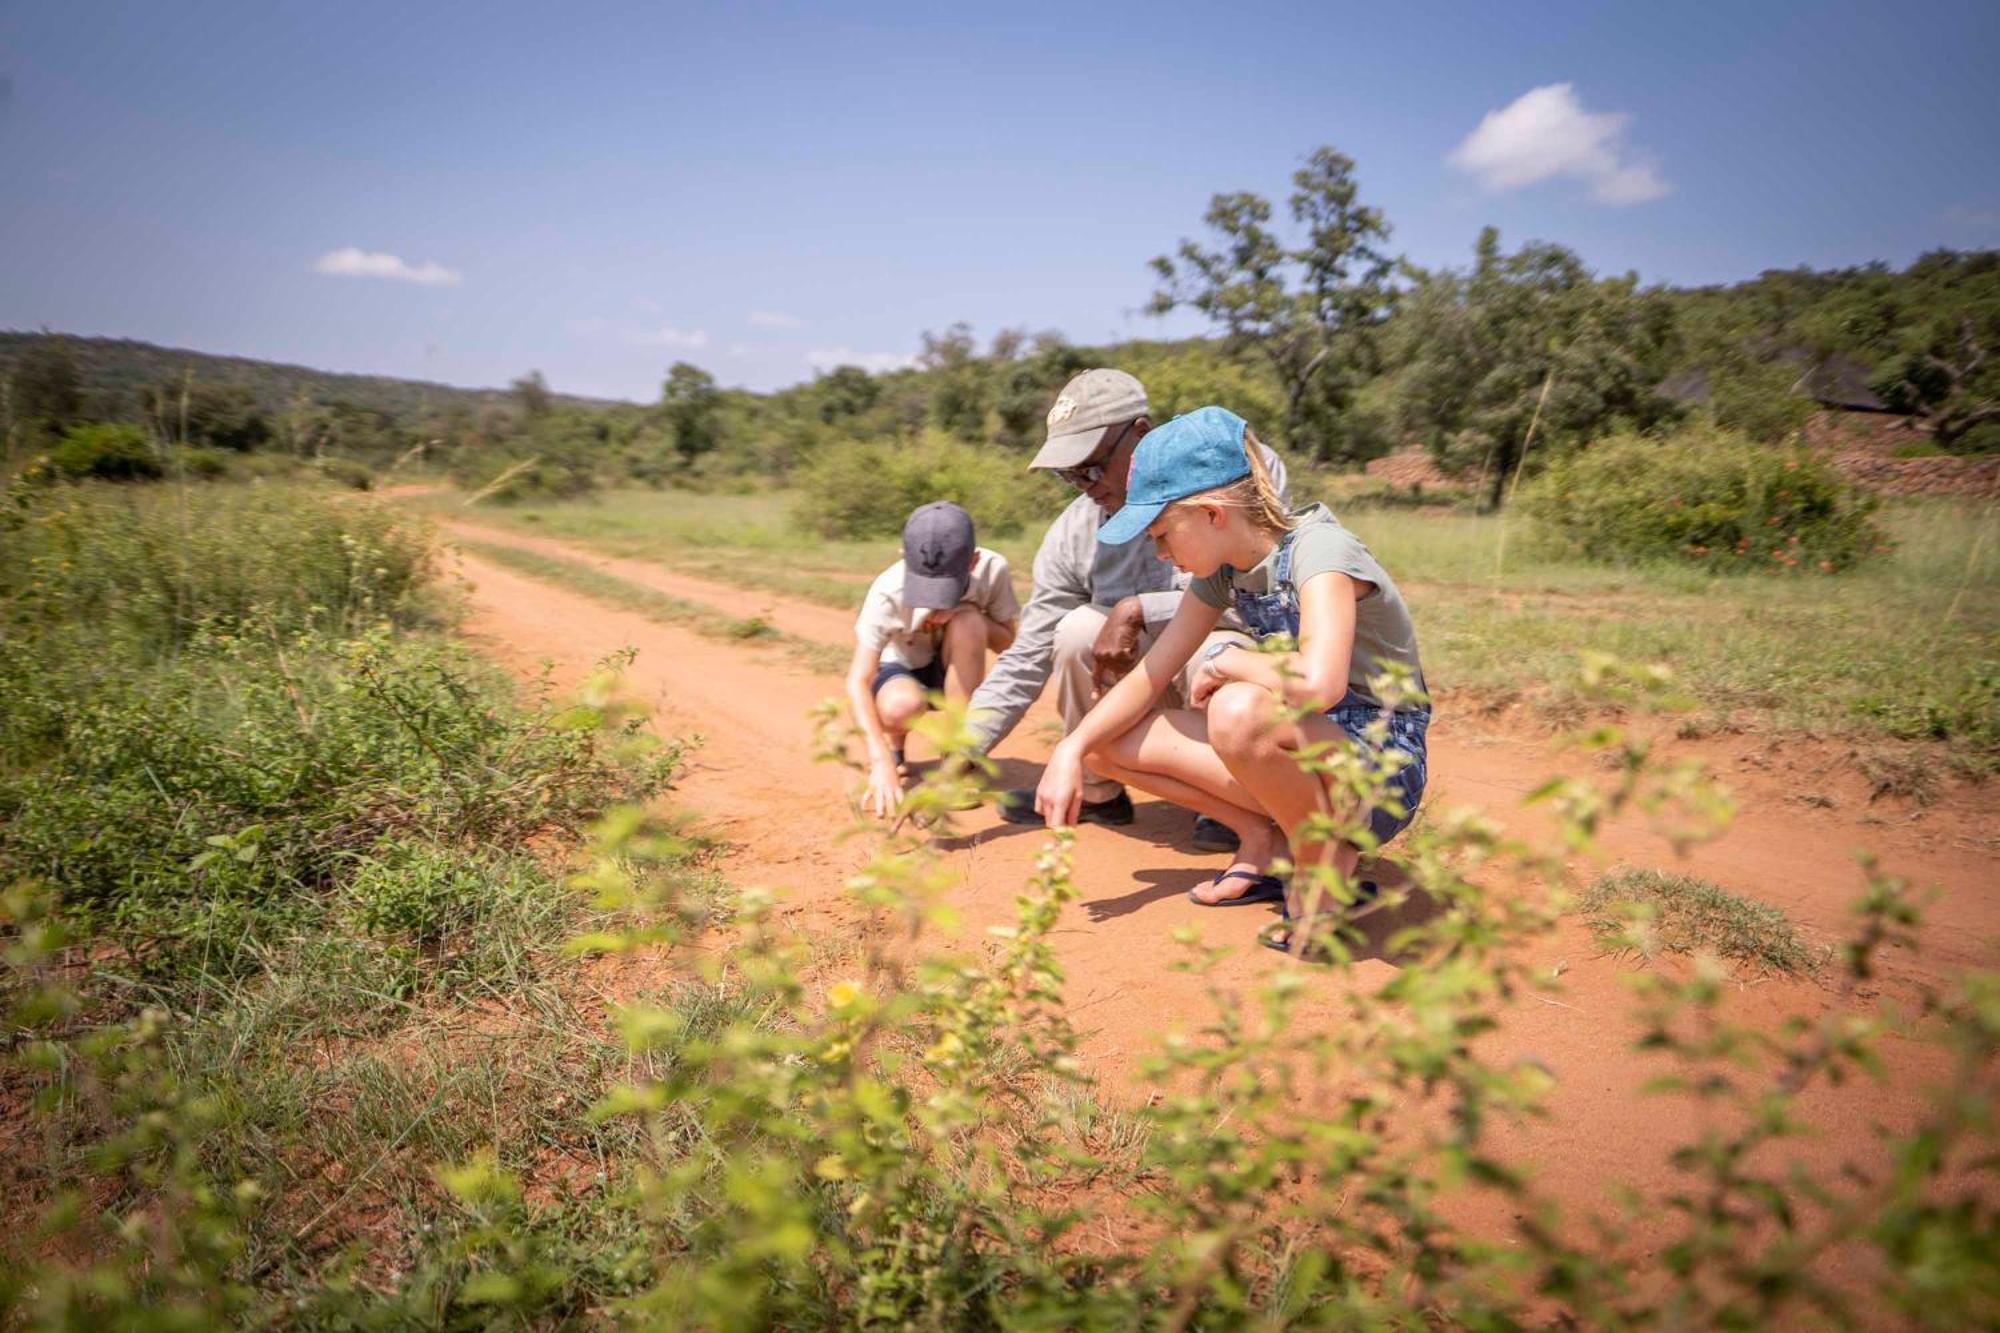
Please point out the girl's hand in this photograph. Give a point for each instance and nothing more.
(1059, 796)
(1208, 678)
(885, 789)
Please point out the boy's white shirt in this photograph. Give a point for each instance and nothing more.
(900, 632)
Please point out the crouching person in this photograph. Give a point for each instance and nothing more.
(927, 624)
(1199, 489)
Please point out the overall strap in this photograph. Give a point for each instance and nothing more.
(1283, 570)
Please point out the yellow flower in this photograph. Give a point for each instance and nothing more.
(842, 994)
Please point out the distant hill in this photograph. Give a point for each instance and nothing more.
(116, 370)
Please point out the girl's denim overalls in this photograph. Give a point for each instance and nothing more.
(1277, 611)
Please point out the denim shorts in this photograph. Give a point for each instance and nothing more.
(930, 675)
(1407, 731)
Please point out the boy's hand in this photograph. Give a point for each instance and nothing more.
(1116, 650)
(885, 789)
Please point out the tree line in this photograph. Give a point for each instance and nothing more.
(1338, 348)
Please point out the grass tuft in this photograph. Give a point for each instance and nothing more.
(1654, 912)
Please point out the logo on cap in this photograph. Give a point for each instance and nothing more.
(931, 557)
(1064, 409)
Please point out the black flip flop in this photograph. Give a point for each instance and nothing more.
(1263, 889)
(1367, 891)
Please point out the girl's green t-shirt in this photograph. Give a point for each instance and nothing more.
(1383, 630)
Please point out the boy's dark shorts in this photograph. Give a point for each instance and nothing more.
(930, 675)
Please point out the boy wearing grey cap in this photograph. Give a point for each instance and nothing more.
(1094, 608)
(927, 623)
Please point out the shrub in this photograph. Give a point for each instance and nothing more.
(1705, 496)
(110, 451)
(159, 567)
(195, 806)
(202, 462)
(346, 472)
(868, 489)
(518, 480)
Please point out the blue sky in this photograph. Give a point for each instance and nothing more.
(464, 192)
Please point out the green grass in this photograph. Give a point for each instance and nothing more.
(1906, 647)
(661, 607)
(1685, 915)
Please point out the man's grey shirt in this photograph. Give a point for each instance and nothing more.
(1073, 568)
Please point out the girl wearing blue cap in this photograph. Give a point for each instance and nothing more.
(1199, 489)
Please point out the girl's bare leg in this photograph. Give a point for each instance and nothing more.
(1260, 752)
(1167, 753)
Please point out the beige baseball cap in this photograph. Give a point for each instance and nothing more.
(1090, 402)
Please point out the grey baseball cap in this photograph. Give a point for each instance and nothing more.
(937, 556)
(1090, 402)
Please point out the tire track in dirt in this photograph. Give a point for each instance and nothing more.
(786, 819)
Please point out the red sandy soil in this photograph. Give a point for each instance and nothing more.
(754, 785)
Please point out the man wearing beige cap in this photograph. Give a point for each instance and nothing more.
(1094, 608)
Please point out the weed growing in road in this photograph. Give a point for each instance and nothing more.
(658, 606)
(1656, 911)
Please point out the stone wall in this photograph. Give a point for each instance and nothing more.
(1862, 445)
(1408, 467)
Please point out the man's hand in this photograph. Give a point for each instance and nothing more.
(1117, 648)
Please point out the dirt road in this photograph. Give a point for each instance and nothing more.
(752, 782)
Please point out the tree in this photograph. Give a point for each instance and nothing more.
(45, 388)
(531, 393)
(225, 416)
(958, 392)
(691, 404)
(1945, 368)
(1527, 339)
(846, 391)
(1029, 383)
(1312, 310)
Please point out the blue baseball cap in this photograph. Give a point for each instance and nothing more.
(1196, 452)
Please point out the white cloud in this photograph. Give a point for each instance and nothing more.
(774, 319)
(353, 262)
(1544, 133)
(826, 358)
(664, 336)
(739, 349)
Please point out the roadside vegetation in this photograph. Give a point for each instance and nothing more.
(284, 910)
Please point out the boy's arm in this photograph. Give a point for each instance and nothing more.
(884, 791)
(861, 702)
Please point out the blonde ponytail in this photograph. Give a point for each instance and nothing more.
(1257, 495)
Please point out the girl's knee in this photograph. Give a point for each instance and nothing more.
(1240, 717)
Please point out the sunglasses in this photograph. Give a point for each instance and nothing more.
(1091, 471)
